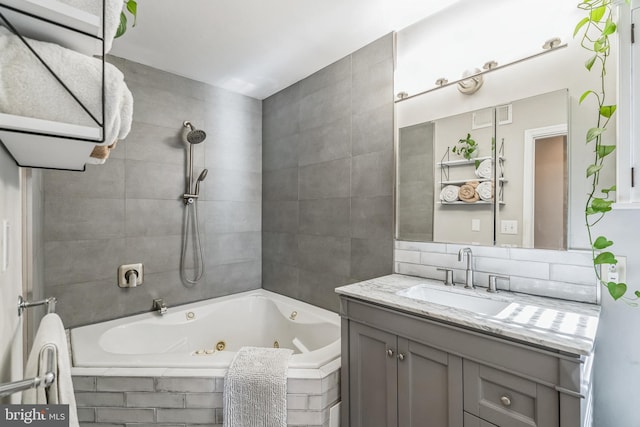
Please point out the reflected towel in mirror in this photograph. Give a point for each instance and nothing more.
(449, 194)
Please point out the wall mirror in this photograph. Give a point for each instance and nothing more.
(511, 191)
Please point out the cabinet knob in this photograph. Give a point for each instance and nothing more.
(389, 352)
(401, 356)
(506, 400)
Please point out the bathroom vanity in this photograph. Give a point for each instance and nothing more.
(471, 359)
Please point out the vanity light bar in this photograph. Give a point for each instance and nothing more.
(489, 67)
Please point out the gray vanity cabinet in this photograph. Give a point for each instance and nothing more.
(404, 370)
(399, 382)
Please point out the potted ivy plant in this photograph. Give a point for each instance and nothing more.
(466, 147)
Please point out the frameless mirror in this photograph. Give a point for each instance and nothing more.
(511, 190)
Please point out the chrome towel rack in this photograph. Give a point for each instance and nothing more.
(24, 304)
(45, 380)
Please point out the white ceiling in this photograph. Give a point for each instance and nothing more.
(258, 47)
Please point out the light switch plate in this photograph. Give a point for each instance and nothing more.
(475, 225)
(5, 232)
(509, 226)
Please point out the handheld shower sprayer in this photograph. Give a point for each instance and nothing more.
(201, 178)
(192, 136)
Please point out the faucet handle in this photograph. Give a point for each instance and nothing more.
(448, 276)
(493, 282)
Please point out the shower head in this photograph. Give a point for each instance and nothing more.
(201, 178)
(192, 135)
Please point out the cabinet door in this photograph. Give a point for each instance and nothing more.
(473, 421)
(429, 386)
(372, 377)
(508, 400)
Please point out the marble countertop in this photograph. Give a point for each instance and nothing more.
(552, 323)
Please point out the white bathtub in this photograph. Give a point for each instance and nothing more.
(186, 336)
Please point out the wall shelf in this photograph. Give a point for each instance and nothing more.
(34, 142)
(56, 22)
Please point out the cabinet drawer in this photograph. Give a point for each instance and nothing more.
(508, 400)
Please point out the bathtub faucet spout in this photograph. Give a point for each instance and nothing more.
(159, 306)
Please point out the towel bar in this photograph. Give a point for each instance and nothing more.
(24, 304)
(42, 381)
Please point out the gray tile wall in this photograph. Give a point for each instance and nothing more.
(328, 178)
(129, 209)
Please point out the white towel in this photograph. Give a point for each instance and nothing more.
(111, 16)
(51, 335)
(449, 193)
(485, 190)
(485, 169)
(27, 89)
(255, 388)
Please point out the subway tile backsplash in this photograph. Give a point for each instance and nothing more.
(558, 274)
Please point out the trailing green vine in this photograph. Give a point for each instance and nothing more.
(130, 6)
(595, 30)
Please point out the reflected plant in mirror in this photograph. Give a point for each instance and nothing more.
(466, 147)
(595, 30)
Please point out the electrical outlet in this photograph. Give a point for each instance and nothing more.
(475, 225)
(616, 273)
(509, 226)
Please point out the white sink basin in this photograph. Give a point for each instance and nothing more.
(475, 304)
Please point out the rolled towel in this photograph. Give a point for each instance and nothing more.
(449, 193)
(28, 89)
(484, 169)
(111, 16)
(485, 190)
(468, 194)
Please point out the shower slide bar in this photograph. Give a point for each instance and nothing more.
(24, 304)
(45, 380)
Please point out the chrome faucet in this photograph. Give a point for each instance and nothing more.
(469, 277)
(159, 306)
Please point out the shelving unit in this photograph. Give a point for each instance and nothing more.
(34, 142)
(446, 163)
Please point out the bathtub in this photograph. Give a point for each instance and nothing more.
(207, 334)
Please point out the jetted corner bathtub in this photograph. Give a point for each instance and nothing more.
(192, 335)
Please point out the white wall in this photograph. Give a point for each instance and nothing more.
(617, 365)
(11, 279)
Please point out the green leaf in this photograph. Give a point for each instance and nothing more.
(605, 258)
(594, 133)
(584, 95)
(590, 62)
(605, 150)
(592, 169)
(601, 243)
(616, 290)
(122, 27)
(590, 211)
(609, 28)
(637, 294)
(581, 24)
(477, 163)
(601, 205)
(597, 13)
(608, 190)
(607, 110)
(132, 7)
(599, 45)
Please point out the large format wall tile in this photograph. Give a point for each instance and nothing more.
(328, 178)
(130, 209)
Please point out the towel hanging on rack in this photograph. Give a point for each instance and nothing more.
(51, 334)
